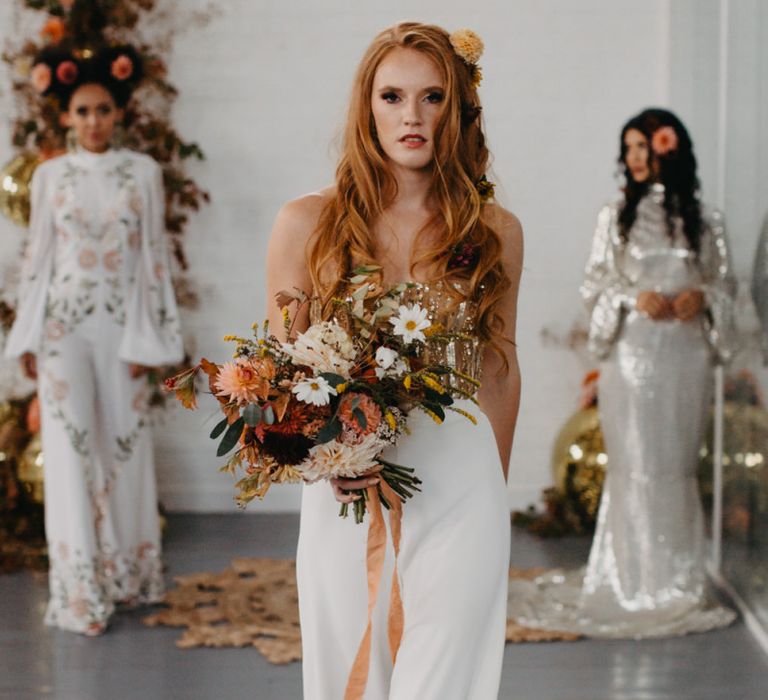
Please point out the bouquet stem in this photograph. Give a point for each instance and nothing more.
(402, 480)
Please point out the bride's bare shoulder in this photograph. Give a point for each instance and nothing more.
(297, 219)
(509, 229)
(503, 221)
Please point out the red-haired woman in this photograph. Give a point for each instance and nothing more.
(406, 198)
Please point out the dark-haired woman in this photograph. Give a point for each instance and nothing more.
(660, 288)
(96, 309)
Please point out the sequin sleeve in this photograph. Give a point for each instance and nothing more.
(719, 287)
(605, 291)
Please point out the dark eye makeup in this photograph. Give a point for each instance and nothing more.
(104, 110)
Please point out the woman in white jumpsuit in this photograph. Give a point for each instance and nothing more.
(96, 309)
(414, 136)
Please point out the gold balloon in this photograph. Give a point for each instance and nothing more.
(15, 179)
(579, 460)
(745, 470)
(30, 469)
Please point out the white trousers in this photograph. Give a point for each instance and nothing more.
(100, 495)
(453, 572)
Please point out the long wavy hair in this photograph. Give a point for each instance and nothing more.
(365, 187)
(676, 170)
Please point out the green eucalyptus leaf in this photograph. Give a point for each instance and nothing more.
(252, 414)
(269, 415)
(333, 379)
(231, 437)
(330, 431)
(362, 421)
(438, 398)
(436, 408)
(219, 429)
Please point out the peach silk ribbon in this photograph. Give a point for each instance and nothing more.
(377, 546)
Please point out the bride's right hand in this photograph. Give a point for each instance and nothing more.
(343, 489)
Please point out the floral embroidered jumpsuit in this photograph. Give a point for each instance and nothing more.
(95, 296)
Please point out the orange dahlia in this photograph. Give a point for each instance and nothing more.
(244, 381)
(368, 408)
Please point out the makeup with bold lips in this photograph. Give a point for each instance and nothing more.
(413, 140)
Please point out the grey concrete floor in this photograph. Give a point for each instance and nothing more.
(133, 662)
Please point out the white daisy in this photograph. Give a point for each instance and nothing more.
(316, 391)
(410, 322)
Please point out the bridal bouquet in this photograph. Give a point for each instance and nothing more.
(330, 400)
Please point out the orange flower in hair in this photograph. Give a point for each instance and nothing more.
(40, 77)
(66, 72)
(664, 140)
(53, 30)
(122, 68)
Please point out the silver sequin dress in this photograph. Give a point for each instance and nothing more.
(646, 572)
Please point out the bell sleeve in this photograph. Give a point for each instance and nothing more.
(36, 271)
(606, 292)
(152, 335)
(719, 288)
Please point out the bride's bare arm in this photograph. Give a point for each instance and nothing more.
(287, 271)
(500, 393)
(287, 258)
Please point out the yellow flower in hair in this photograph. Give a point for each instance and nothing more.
(477, 76)
(467, 45)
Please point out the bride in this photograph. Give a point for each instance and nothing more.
(410, 197)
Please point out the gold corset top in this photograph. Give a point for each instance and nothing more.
(463, 350)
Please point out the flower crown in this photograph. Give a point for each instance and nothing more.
(469, 48)
(67, 71)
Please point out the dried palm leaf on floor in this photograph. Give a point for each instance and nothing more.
(255, 603)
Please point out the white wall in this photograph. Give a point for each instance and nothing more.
(717, 85)
(263, 89)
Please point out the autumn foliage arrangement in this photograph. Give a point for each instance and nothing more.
(85, 27)
(330, 401)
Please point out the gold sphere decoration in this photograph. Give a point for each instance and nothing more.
(30, 469)
(745, 471)
(15, 179)
(579, 460)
